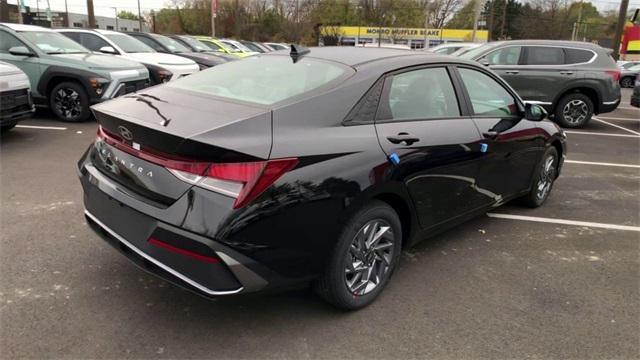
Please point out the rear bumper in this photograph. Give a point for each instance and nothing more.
(189, 260)
(609, 106)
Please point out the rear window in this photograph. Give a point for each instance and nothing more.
(577, 56)
(542, 55)
(263, 79)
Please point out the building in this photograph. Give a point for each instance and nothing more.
(413, 37)
(9, 13)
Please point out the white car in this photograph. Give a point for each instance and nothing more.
(162, 67)
(15, 96)
(237, 45)
(451, 47)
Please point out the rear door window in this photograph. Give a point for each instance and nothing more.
(92, 42)
(544, 55)
(505, 56)
(577, 56)
(420, 94)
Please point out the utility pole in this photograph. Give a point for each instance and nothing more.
(66, 14)
(622, 16)
(214, 10)
(91, 15)
(476, 17)
(576, 25)
(117, 27)
(490, 21)
(426, 26)
(504, 20)
(139, 17)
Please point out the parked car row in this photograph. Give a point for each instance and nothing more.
(71, 69)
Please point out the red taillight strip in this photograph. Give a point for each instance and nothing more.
(193, 167)
(184, 252)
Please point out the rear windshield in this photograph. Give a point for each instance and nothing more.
(263, 79)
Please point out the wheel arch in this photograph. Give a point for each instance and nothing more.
(54, 75)
(588, 90)
(402, 207)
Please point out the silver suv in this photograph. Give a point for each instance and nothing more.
(571, 80)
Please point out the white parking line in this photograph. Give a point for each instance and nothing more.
(616, 126)
(564, 222)
(599, 134)
(601, 164)
(41, 127)
(618, 118)
(626, 108)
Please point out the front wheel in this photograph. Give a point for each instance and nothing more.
(365, 256)
(70, 102)
(574, 111)
(543, 179)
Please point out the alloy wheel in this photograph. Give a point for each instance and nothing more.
(68, 103)
(626, 82)
(575, 111)
(547, 175)
(369, 257)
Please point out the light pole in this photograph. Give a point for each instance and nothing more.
(117, 27)
(139, 17)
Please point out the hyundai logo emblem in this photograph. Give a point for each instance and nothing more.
(125, 133)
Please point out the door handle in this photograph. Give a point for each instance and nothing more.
(512, 72)
(566, 72)
(490, 134)
(403, 137)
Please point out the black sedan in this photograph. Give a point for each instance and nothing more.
(317, 166)
(165, 44)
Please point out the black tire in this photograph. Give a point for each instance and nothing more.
(69, 102)
(543, 179)
(332, 285)
(627, 82)
(6, 128)
(574, 111)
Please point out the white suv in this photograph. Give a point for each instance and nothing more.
(162, 67)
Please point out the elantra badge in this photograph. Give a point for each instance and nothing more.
(125, 133)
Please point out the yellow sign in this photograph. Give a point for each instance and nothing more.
(403, 33)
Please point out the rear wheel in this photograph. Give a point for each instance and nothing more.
(574, 110)
(70, 102)
(364, 258)
(543, 179)
(627, 82)
(7, 127)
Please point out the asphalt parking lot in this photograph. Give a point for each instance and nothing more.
(561, 281)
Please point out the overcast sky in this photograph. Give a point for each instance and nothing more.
(105, 7)
(101, 7)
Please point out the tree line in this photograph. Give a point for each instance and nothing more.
(299, 20)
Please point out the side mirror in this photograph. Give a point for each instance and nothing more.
(534, 112)
(108, 50)
(20, 51)
(484, 62)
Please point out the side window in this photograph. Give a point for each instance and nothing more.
(487, 96)
(154, 45)
(577, 56)
(92, 42)
(419, 94)
(73, 36)
(7, 41)
(542, 55)
(505, 56)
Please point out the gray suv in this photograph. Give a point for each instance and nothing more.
(571, 80)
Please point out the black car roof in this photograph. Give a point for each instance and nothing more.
(356, 56)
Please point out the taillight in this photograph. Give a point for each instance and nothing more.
(242, 181)
(615, 74)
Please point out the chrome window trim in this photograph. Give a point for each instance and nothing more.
(593, 58)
